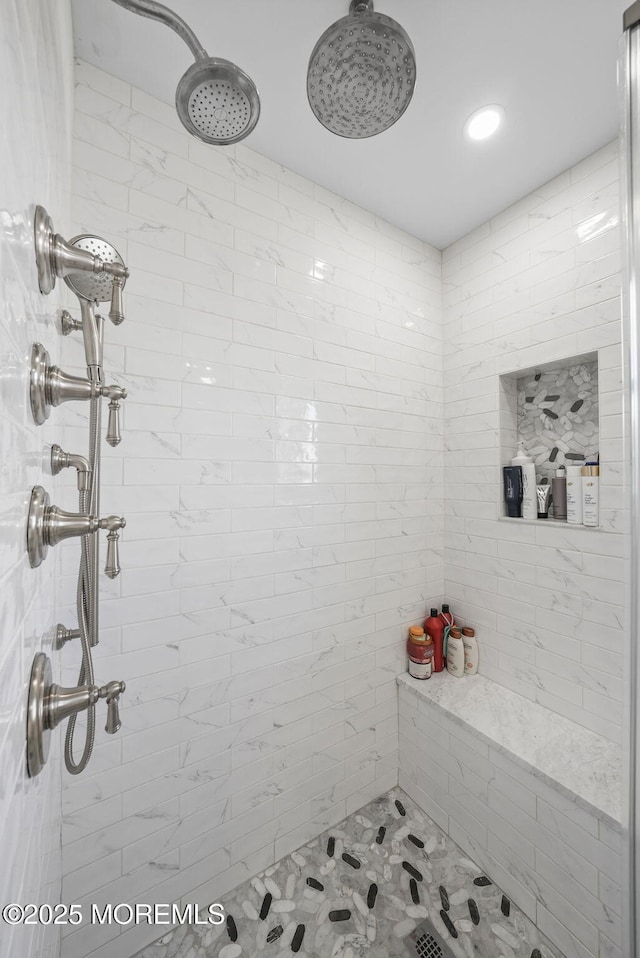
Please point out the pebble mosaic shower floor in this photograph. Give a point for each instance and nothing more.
(358, 891)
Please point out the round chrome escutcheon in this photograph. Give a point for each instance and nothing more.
(38, 735)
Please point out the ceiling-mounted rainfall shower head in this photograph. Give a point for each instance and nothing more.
(362, 73)
(216, 100)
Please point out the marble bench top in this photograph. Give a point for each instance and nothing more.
(580, 764)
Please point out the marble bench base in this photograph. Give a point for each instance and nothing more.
(530, 796)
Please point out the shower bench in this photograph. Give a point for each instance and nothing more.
(530, 795)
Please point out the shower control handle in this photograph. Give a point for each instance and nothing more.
(112, 692)
(114, 394)
(116, 311)
(57, 258)
(113, 524)
(48, 525)
(50, 386)
(50, 704)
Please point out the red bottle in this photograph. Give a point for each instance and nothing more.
(434, 626)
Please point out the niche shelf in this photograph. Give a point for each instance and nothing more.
(554, 409)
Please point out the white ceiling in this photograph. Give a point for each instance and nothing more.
(550, 63)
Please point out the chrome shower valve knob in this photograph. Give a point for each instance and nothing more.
(116, 311)
(50, 704)
(74, 260)
(50, 386)
(112, 692)
(113, 524)
(48, 525)
(114, 394)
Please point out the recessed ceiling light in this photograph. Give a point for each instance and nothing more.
(484, 122)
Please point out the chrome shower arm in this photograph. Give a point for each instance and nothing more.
(157, 11)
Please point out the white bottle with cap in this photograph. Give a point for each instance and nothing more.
(590, 497)
(574, 495)
(529, 502)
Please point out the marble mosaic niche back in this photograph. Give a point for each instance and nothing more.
(360, 890)
(558, 416)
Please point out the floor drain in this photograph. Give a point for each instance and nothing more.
(425, 942)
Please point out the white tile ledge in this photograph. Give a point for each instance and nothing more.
(575, 761)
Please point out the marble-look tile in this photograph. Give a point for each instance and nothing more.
(36, 119)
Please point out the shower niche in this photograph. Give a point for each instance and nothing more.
(553, 408)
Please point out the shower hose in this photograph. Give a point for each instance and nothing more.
(86, 597)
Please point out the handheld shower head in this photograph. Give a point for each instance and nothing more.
(96, 287)
(215, 100)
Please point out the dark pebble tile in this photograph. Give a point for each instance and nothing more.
(451, 928)
(232, 931)
(529, 398)
(551, 398)
(482, 881)
(343, 914)
(400, 807)
(550, 413)
(381, 833)
(577, 405)
(275, 933)
(537, 377)
(350, 860)
(372, 895)
(297, 938)
(444, 897)
(331, 847)
(313, 883)
(473, 912)
(415, 841)
(266, 905)
(576, 456)
(415, 894)
(536, 953)
(505, 906)
(408, 867)
(554, 454)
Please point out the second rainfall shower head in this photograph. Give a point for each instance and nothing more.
(94, 287)
(362, 73)
(216, 101)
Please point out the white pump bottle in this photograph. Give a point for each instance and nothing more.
(529, 501)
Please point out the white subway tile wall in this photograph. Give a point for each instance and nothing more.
(558, 862)
(281, 473)
(36, 76)
(538, 283)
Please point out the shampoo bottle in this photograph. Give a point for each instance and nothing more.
(512, 478)
(574, 495)
(455, 653)
(529, 503)
(590, 494)
(434, 626)
(470, 644)
(559, 494)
